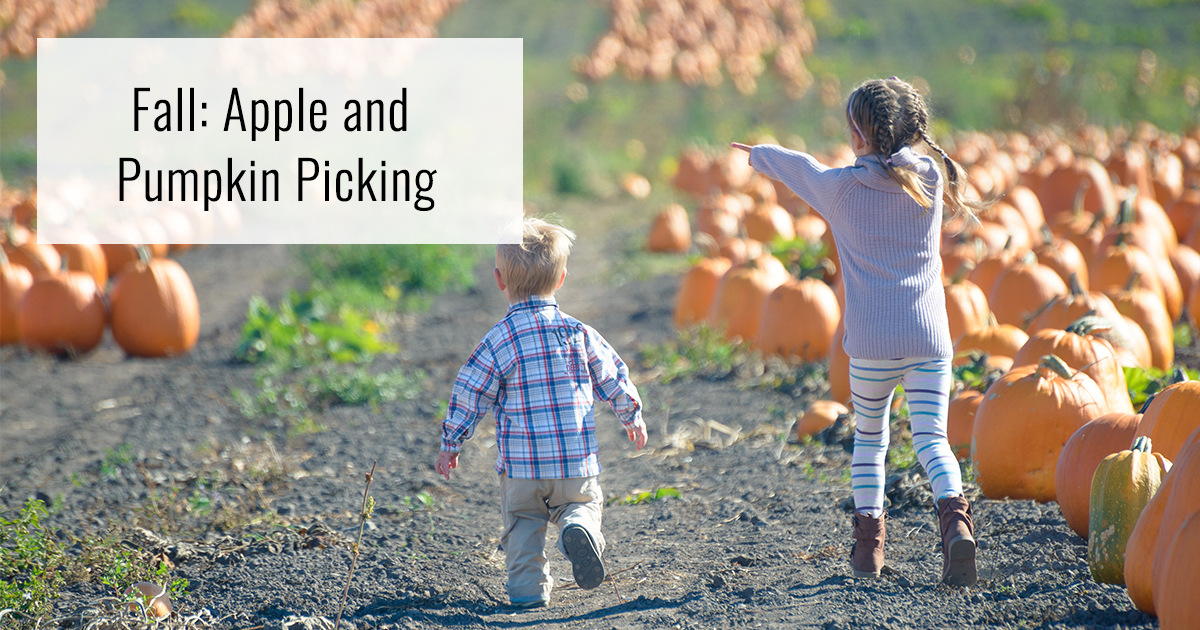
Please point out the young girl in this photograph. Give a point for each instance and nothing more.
(886, 214)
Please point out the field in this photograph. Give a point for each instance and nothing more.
(280, 474)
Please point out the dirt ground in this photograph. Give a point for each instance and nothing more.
(759, 536)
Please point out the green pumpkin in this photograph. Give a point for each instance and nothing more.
(1122, 485)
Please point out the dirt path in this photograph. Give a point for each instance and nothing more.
(757, 538)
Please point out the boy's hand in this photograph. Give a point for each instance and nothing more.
(446, 461)
(637, 434)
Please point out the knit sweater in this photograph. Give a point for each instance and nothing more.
(888, 248)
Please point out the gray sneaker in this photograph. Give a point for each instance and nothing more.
(586, 564)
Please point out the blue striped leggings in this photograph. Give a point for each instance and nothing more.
(927, 387)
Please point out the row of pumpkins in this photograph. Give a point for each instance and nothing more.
(53, 298)
(1081, 268)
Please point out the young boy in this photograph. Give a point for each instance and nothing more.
(539, 371)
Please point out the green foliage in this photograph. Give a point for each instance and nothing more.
(802, 258)
(114, 459)
(311, 354)
(976, 375)
(387, 276)
(1182, 336)
(902, 455)
(194, 14)
(701, 349)
(420, 502)
(1144, 382)
(34, 566)
(647, 496)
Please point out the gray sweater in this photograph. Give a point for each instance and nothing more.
(888, 247)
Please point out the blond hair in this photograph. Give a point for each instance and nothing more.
(891, 114)
(535, 266)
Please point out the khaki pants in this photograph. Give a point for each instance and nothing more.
(526, 506)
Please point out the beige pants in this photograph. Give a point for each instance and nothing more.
(527, 505)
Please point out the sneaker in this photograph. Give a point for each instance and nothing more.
(584, 557)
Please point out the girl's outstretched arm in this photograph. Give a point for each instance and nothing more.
(740, 146)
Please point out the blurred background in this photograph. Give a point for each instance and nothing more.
(988, 65)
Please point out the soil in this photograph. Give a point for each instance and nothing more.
(261, 518)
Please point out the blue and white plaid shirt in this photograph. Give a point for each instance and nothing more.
(540, 372)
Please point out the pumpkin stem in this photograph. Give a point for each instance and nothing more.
(1089, 325)
(1141, 444)
(1178, 375)
(1054, 364)
(1126, 214)
(1047, 235)
(1029, 259)
(65, 265)
(1080, 194)
(144, 255)
(1133, 280)
(1074, 284)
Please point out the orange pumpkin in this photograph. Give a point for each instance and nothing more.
(1021, 291)
(62, 313)
(1142, 306)
(1114, 267)
(1061, 186)
(1081, 349)
(1083, 452)
(85, 255)
(820, 415)
(839, 366)
(1178, 609)
(1032, 410)
(1171, 416)
(697, 289)
(1065, 310)
(155, 312)
(1062, 256)
(966, 306)
(692, 175)
(742, 294)
(960, 421)
(670, 231)
(1183, 501)
(799, 320)
(994, 339)
(1186, 262)
(15, 281)
(1139, 548)
(989, 269)
(22, 248)
(1184, 212)
(769, 222)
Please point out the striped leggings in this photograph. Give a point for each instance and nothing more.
(927, 387)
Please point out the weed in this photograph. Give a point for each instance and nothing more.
(114, 459)
(1144, 382)
(647, 496)
(1183, 336)
(378, 277)
(697, 350)
(902, 455)
(421, 502)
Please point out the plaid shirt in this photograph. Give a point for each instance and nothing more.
(540, 372)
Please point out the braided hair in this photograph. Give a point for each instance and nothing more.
(890, 115)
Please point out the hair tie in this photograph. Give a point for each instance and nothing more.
(893, 78)
(904, 158)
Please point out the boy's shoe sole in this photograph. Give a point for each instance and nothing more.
(537, 603)
(586, 565)
(960, 570)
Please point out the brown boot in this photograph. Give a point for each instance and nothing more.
(866, 556)
(958, 541)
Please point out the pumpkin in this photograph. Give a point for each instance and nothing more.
(799, 320)
(85, 255)
(820, 415)
(1079, 176)
(738, 250)
(990, 268)
(1139, 548)
(692, 175)
(1063, 257)
(1183, 500)
(1108, 434)
(1022, 424)
(839, 366)
(960, 420)
(742, 294)
(15, 281)
(768, 222)
(1121, 487)
(670, 231)
(699, 285)
(1177, 609)
(1021, 291)
(1065, 310)
(994, 339)
(22, 248)
(719, 217)
(1080, 347)
(966, 306)
(1184, 212)
(1026, 202)
(635, 185)
(1186, 262)
(1171, 416)
(155, 312)
(1140, 305)
(62, 313)
(1114, 267)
